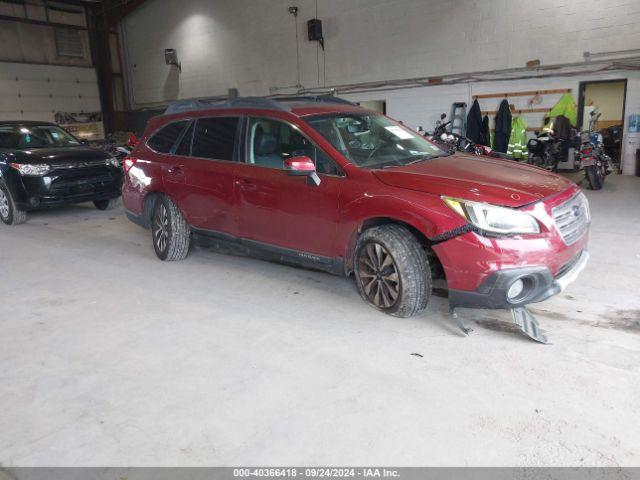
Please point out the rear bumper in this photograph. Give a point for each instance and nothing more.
(539, 285)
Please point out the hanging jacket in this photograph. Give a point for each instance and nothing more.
(518, 139)
(474, 124)
(503, 128)
(566, 106)
(562, 127)
(486, 132)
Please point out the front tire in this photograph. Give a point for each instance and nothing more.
(10, 214)
(106, 204)
(170, 231)
(392, 270)
(594, 176)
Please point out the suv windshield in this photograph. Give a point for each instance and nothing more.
(370, 140)
(35, 136)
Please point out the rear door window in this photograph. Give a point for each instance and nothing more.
(164, 139)
(215, 138)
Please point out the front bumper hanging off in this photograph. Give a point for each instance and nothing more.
(493, 294)
(539, 285)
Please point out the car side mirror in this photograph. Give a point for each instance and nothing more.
(84, 142)
(443, 116)
(302, 167)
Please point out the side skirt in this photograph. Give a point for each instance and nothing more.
(264, 251)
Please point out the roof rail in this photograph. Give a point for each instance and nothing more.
(315, 98)
(238, 102)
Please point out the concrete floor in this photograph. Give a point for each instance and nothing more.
(110, 357)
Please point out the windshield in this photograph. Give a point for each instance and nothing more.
(35, 136)
(374, 141)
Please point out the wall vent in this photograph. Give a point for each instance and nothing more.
(68, 42)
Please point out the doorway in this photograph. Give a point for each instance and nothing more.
(606, 97)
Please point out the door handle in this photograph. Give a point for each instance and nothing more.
(175, 170)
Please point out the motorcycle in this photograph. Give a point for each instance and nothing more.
(544, 151)
(119, 151)
(612, 137)
(548, 151)
(452, 141)
(595, 163)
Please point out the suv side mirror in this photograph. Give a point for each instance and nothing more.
(302, 167)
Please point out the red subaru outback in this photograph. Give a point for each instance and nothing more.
(322, 183)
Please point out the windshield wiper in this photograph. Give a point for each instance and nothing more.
(422, 159)
(431, 157)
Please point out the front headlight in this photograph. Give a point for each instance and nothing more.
(492, 218)
(32, 169)
(113, 162)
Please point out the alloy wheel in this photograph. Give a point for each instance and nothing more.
(378, 275)
(4, 205)
(161, 228)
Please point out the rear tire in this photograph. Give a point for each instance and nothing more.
(170, 232)
(392, 270)
(106, 204)
(594, 177)
(10, 214)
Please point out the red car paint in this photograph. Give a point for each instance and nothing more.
(268, 206)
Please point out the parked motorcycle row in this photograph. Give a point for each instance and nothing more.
(547, 150)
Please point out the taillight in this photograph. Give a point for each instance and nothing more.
(127, 163)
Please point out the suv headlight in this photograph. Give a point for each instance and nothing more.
(32, 169)
(492, 218)
(113, 162)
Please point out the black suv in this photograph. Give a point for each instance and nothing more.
(42, 165)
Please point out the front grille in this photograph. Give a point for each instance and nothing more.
(572, 218)
(79, 164)
(76, 186)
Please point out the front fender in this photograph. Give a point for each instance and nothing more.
(425, 213)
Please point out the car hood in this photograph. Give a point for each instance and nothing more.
(56, 156)
(478, 178)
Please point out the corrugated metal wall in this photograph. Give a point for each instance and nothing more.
(36, 92)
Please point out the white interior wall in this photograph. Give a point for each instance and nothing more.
(251, 45)
(36, 92)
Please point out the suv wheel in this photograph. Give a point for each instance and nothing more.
(9, 213)
(392, 270)
(170, 231)
(106, 204)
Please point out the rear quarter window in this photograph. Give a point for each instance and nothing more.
(163, 140)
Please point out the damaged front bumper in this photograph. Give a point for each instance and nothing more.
(538, 284)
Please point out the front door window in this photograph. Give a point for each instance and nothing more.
(272, 141)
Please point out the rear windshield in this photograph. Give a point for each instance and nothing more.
(35, 136)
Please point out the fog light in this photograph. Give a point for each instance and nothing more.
(515, 289)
